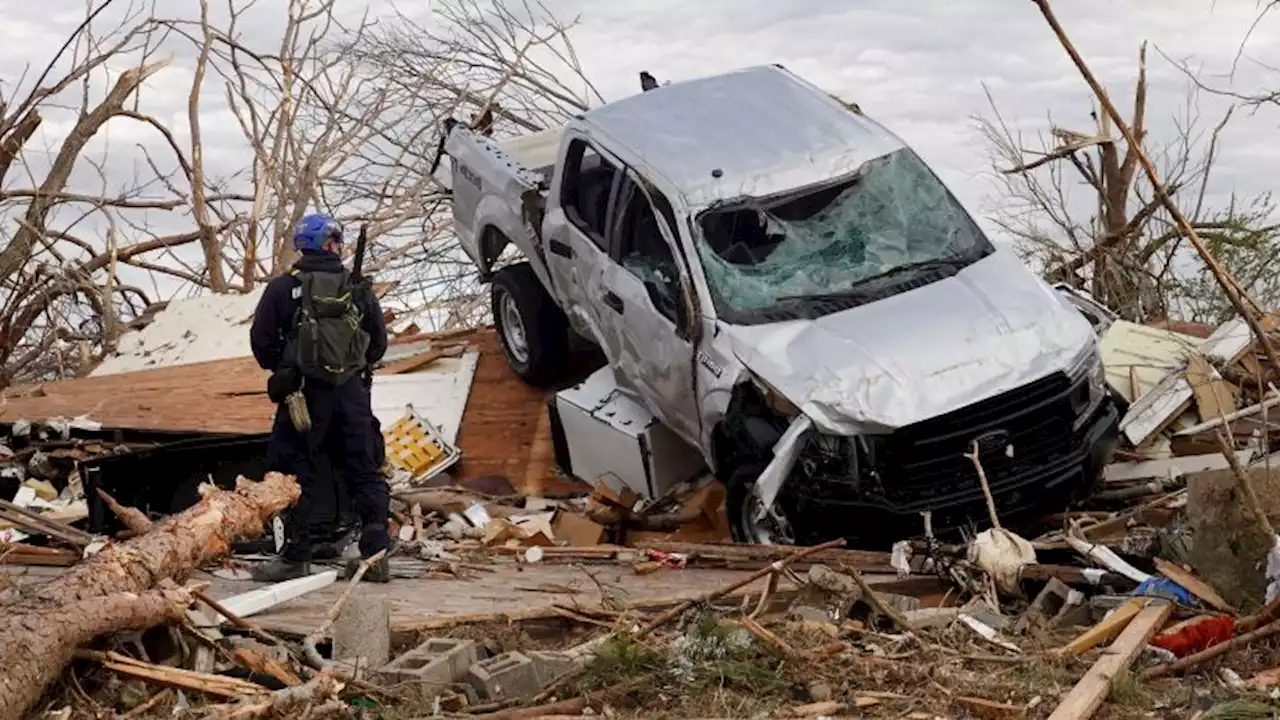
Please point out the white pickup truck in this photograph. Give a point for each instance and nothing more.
(789, 288)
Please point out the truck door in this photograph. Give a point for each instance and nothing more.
(576, 234)
(646, 310)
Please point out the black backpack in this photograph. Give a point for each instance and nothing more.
(330, 342)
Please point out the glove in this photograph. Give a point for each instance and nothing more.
(281, 383)
(366, 377)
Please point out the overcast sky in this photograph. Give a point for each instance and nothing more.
(918, 67)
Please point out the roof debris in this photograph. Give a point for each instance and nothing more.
(651, 601)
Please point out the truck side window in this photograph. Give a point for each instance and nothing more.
(584, 194)
(644, 252)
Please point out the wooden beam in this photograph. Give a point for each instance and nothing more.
(1108, 628)
(1089, 694)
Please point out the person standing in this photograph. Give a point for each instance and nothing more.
(320, 332)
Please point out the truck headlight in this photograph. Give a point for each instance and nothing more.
(1086, 396)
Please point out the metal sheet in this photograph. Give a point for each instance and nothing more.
(438, 394)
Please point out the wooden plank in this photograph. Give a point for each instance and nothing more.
(255, 601)
(1089, 694)
(1170, 468)
(1194, 585)
(1110, 626)
(1157, 409)
(1214, 396)
(414, 363)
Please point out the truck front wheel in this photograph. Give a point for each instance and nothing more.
(742, 506)
(534, 331)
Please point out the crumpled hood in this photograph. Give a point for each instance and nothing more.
(926, 352)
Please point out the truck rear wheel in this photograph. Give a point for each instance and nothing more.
(533, 329)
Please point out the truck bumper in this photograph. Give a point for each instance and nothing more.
(872, 514)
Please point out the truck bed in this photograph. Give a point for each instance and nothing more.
(536, 151)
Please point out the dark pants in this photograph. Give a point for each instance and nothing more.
(343, 431)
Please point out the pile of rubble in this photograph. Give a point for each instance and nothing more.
(1152, 597)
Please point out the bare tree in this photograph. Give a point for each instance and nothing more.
(339, 117)
(509, 69)
(1114, 238)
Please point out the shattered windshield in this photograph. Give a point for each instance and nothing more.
(890, 227)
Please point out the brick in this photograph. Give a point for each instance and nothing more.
(437, 662)
(509, 675)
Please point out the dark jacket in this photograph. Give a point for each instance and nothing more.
(273, 320)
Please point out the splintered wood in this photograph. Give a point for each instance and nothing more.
(116, 589)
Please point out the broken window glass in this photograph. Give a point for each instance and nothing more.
(891, 216)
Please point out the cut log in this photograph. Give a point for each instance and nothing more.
(114, 589)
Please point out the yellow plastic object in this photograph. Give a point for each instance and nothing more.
(416, 446)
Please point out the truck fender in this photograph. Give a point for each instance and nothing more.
(496, 228)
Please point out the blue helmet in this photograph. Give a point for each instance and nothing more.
(313, 231)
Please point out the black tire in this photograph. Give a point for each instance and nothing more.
(738, 501)
(543, 326)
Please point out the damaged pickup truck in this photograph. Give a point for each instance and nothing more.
(789, 288)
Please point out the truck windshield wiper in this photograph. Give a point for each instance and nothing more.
(867, 287)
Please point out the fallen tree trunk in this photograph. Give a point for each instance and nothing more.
(176, 545)
(37, 643)
(114, 589)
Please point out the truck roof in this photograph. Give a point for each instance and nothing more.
(766, 131)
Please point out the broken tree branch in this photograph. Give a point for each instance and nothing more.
(775, 567)
(1240, 300)
(112, 590)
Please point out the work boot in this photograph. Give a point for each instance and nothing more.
(279, 570)
(378, 572)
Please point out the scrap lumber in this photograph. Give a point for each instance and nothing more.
(173, 677)
(1110, 626)
(23, 554)
(1088, 694)
(1214, 396)
(35, 523)
(114, 590)
(414, 363)
(776, 567)
(286, 702)
(1218, 422)
(263, 665)
(760, 556)
(1194, 585)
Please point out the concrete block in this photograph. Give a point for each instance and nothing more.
(437, 662)
(937, 617)
(362, 631)
(1045, 607)
(552, 664)
(505, 676)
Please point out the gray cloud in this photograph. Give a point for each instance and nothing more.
(917, 67)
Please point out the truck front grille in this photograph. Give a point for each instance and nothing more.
(927, 460)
